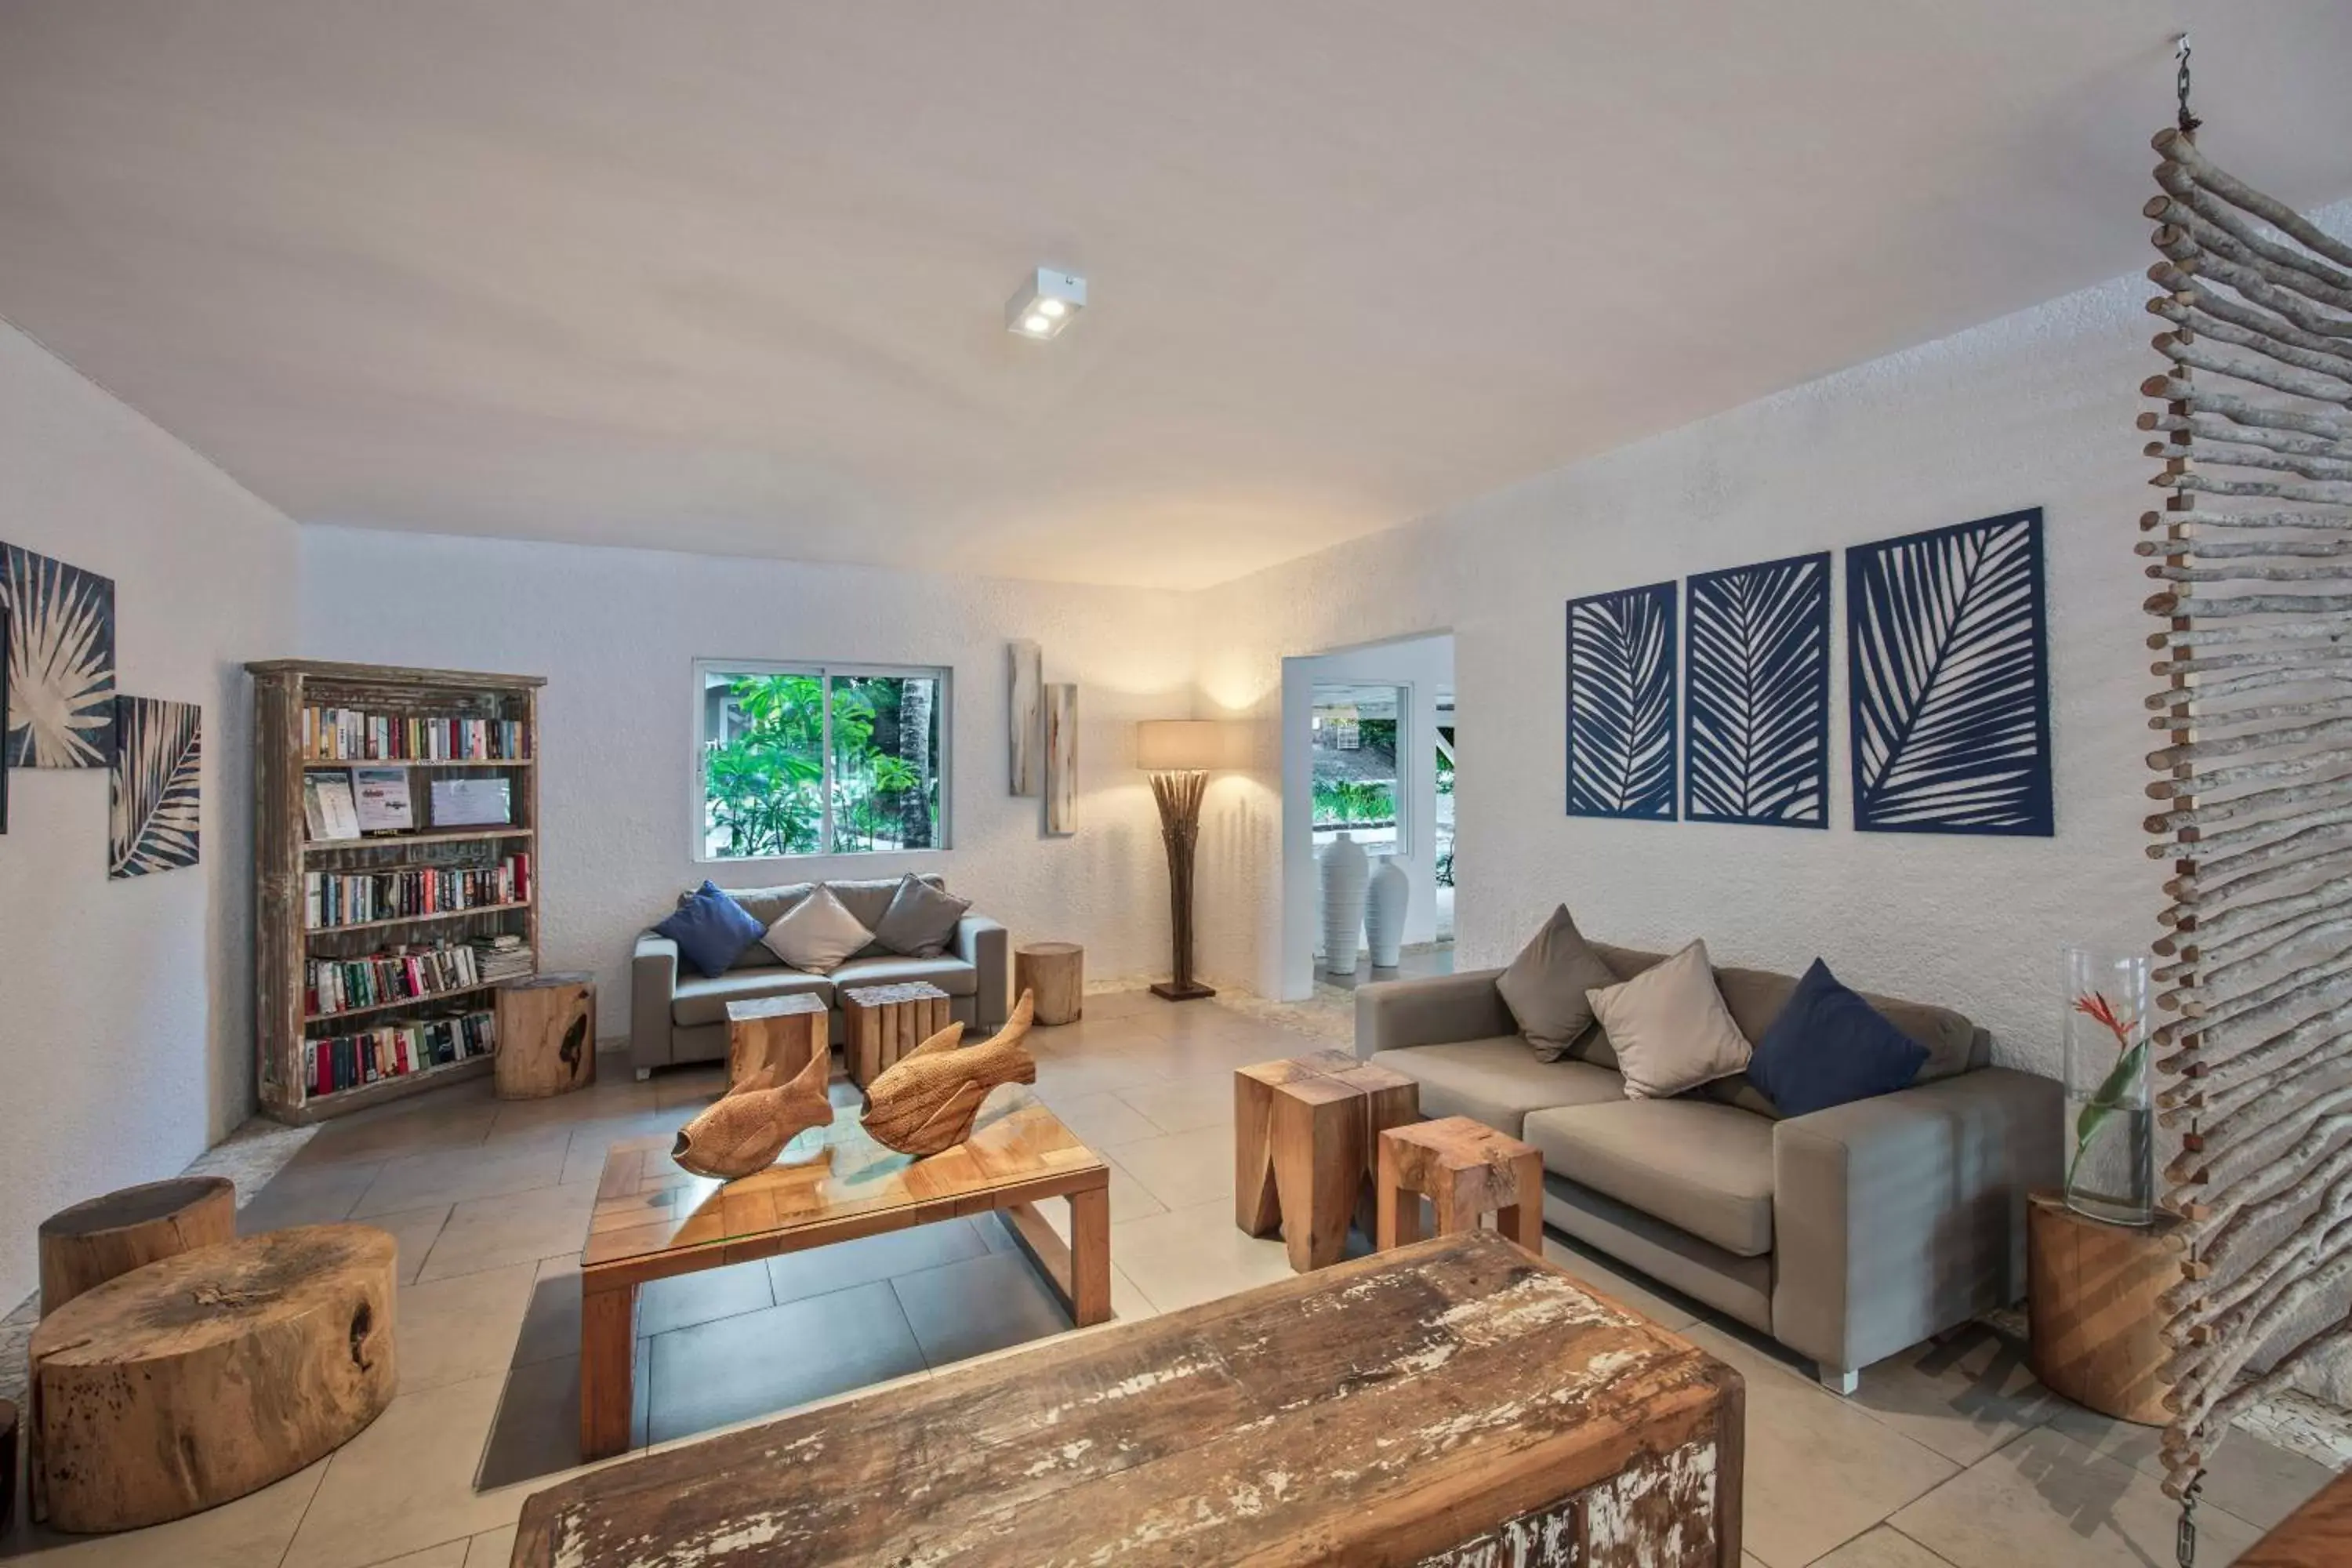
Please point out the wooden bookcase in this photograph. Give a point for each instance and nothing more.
(285, 856)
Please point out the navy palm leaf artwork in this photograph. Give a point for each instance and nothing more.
(1756, 727)
(1947, 655)
(1621, 703)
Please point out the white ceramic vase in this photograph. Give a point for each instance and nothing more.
(1384, 908)
(1345, 870)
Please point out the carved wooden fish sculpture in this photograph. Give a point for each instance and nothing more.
(750, 1124)
(925, 1101)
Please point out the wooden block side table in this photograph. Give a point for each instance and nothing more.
(1305, 1133)
(1466, 1170)
(95, 1240)
(546, 1029)
(1055, 972)
(2091, 1294)
(780, 1031)
(882, 1023)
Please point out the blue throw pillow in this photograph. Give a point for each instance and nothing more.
(712, 930)
(1828, 1046)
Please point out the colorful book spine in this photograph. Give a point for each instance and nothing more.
(333, 1062)
(332, 899)
(349, 984)
(350, 735)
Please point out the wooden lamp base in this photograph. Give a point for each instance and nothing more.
(1179, 795)
(1169, 991)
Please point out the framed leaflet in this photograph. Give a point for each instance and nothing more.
(471, 802)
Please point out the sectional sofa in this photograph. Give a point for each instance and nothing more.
(1847, 1235)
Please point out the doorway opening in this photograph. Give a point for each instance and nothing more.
(1368, 753)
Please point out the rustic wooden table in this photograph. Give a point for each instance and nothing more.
(1457, 1404)
(2090, 1299)
(782, 1031)
(652, 1219)
(879, 1023)
(1466, 1170)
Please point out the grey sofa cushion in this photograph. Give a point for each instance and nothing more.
(867, 899)
(953, 975)
(920, 920)
(1497, 1081)
(1545, 985)
(698, 1001)
(1702, 1167)
(1755, 996)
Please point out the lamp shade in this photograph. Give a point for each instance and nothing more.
(1180, 745)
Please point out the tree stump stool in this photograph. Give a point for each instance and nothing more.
(782, 1031)
(201, 1378)
(93, 1241)
(546, 1029)
(1466, 1170)
(882, 1023)
(1305, 1133)
(1056, 974)
(2091, 1296)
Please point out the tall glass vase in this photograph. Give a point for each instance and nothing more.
(2110, 1139)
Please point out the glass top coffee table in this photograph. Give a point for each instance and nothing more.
(832, 1183)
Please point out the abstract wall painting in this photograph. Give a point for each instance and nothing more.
(1756, 716)
(60, 662)
(1025, 734)
(1061, 759)
(1620, 704)
(156, 776)
(1948, 677)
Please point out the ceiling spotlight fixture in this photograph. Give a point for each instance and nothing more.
(1045, 304)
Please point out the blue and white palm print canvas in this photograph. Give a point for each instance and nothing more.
(1756, 714)
(1620, 704)
(60, 662)
(1948, 670)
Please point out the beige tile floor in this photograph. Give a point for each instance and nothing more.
(1951, 1455)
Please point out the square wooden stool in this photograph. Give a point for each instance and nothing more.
(882, 1023)
(1465, 1169)
(785, 1031)
(1304, 1133)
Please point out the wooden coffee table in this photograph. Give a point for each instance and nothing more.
(833, 1183)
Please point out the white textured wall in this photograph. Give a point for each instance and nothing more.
(125, 1006)
(2034, 410)
(617, 632)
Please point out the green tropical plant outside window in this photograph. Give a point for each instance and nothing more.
(819, 762)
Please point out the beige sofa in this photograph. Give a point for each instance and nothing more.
(678, 1015)
(1847, 1235)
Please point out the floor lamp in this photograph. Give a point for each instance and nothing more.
(1179, 754)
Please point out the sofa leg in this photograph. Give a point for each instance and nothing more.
(644, 1073)
(1838, 1380)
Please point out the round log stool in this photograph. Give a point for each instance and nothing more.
(546, 1029)
(93, 1241)
(198, 1379)
(1056, 972)
(1466, 1170)
(2094, 1322)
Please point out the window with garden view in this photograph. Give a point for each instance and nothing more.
(817, 760)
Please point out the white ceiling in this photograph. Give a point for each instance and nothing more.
(728, 275)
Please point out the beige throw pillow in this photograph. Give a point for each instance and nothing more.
(817, 934)
(1670, 1028)
(1545, 986)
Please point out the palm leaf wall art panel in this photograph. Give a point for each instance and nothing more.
(1948, 682)
(157, 786)
(60, 662)
(1756, 715)
(1620, 704)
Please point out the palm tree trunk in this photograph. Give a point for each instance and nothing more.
(915, 750)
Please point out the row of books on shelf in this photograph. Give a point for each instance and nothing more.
(350, 735)
(400, 975)
(331, 898)
(395, 1050)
